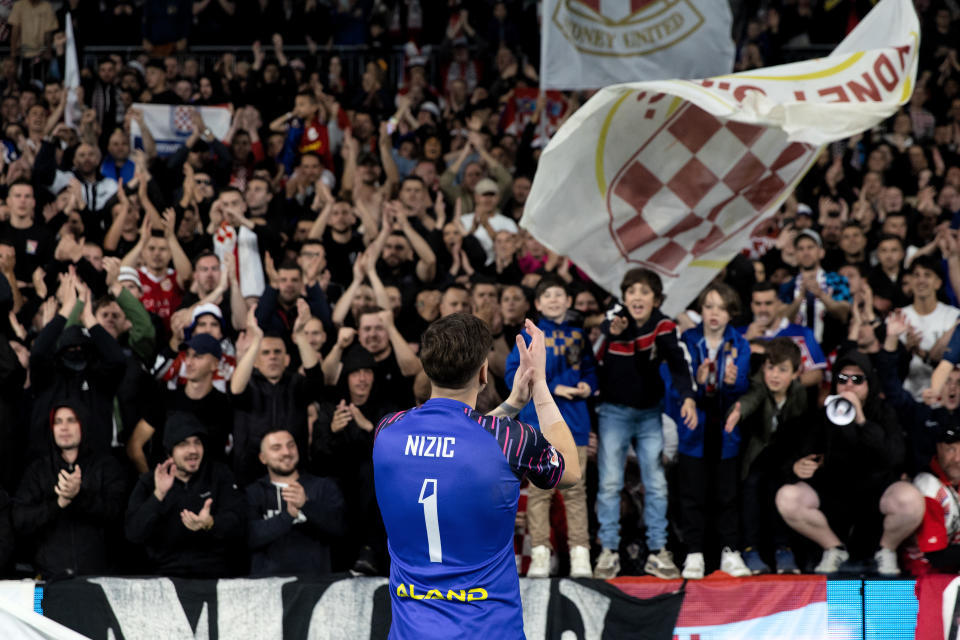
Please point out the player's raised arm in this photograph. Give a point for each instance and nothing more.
(552, 425)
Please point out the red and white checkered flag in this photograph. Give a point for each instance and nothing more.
(676, 175)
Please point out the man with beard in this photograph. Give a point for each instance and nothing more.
(405, 258)
(278, 309)
(343, 449)
(922, 423)
(936, 545)
(396, 365)
(267, 396)
(68, 500)
(818, 299)
(97, 189)
(188, 511)
(335, 227)
(769, 323)
(844, 488)
(292, 516)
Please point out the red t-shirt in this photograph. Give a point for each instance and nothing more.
(161, 296)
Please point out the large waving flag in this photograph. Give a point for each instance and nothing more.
(588, 44)
(71, 80)
(674, 175)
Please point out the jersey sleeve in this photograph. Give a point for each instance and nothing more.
(527, 451)
(932, 534)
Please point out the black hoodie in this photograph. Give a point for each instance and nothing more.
(281, 545)
(71, 540)
(857, 458)
(172, 548)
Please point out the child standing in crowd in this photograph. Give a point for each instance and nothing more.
(572, 378)
(769, 416)
(720, 359)
(637, 338)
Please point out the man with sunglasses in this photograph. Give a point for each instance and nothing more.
(844, 491)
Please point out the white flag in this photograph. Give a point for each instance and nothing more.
(71, 74)
(171, 125)
(675, 175)
(588, 44)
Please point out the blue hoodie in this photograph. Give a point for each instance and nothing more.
(695, 346)
(569, 362)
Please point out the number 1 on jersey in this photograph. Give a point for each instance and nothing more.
(428, 498)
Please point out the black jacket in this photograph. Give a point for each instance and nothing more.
(93, 387)
(6, 532)
(629, 363)
(280, 545)
(264, 406)
(173, 549)
(70, 541)
(857, 458)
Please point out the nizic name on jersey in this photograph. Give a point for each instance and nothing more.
(430, 446)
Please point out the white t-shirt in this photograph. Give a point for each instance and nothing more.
(498, 222)
(931, 327)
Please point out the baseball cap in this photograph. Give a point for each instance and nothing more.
(810, 233)
(486, 185)
(804, 210)
(204, 343)
(949, 434)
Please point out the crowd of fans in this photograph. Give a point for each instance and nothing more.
(196, 347)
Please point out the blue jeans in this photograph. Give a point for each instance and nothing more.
(618, 425)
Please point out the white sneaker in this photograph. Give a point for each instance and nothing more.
(732, 563)
(831, 560)
(693, 567)
(608, 565)
(539, 562)
(580, 563)
(886, 560)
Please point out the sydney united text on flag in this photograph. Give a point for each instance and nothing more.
(588, 44)
(675, 175)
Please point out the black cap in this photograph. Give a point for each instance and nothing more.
(949, 434)
(204, 343)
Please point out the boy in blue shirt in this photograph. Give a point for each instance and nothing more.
(572, 378)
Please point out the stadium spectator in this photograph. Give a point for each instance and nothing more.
(292, 516)
(844, 488)
(187, 512)
(632, 394)
(69, 500)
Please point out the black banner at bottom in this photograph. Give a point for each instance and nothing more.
(328, 609)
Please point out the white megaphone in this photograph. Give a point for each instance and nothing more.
(840, 411)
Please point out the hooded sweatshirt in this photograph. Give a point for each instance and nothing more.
(857, 458)
(281, 544)
(172, 548)
(71, 540)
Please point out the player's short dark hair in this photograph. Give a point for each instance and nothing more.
(782, 349)
(548, 282)
(731, 301)
(453, 349)
(640, 275)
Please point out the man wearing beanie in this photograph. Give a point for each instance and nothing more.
(187, 511)
(343, 449)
